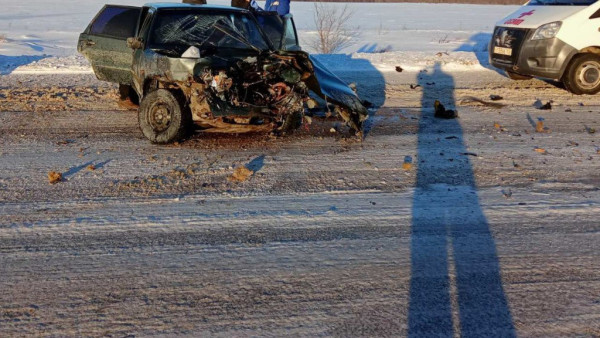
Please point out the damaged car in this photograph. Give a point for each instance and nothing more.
(218, 68)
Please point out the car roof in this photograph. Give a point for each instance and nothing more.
(175, 5)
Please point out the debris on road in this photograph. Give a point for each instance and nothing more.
(91, 167)
(540, 150)
(499, 127)
(469, 99)
(539, 126)
(507, 193)
(241, 174)
(65, 142)
(399, 69)
(442, 112)
(496, 97)
(470, 154)
(407, 164)
(54, 177)
(414, 86)
(546, 106)
(590, 130)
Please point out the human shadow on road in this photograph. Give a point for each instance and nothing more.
(456, 286)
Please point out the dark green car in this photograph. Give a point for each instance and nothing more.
(219, 68)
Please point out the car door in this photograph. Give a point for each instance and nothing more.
(104, 42)
(290, 36)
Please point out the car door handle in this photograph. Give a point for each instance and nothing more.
(89, 43)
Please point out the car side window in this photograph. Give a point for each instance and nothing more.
(272, 25)
(118, 22)
(290, 34)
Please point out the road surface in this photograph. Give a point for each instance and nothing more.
(490, 228)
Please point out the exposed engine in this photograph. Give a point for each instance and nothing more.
(271, 87)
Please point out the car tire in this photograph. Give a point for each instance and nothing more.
(583, 75)
(164, 117)
(517, 77)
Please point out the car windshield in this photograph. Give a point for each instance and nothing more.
(561, 2)
(175, 31)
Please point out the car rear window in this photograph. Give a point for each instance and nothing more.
(119, 22)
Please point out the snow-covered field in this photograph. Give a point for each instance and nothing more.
(46, 32)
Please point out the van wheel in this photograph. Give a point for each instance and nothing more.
(163, 117)
(517, 77)
(583, 75)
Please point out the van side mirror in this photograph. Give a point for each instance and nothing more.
(135, 43)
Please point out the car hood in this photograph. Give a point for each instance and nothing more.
(332, 89)
(535, 16)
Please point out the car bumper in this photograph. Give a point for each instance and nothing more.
(546, 58)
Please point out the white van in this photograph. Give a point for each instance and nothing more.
(552, 39)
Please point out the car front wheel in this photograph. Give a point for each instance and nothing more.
(163, 118)
(583, 75)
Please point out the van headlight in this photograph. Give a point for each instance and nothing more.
(547, 31)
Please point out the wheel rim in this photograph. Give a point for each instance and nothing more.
(160, 117)
(588, 75)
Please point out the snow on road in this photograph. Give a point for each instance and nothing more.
(330, 236)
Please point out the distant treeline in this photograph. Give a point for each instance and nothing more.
(479, 2)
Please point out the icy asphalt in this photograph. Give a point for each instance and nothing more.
(492, 230)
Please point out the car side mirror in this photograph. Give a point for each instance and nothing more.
(135, 43)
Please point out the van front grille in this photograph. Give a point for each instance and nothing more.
(507, 39)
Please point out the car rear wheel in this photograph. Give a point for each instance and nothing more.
(517, 77)
(163, 118)
(583, 75)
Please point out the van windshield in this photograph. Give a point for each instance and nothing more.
(561, 2)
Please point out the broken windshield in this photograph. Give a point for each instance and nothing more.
(561, 2)
(174, 31)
